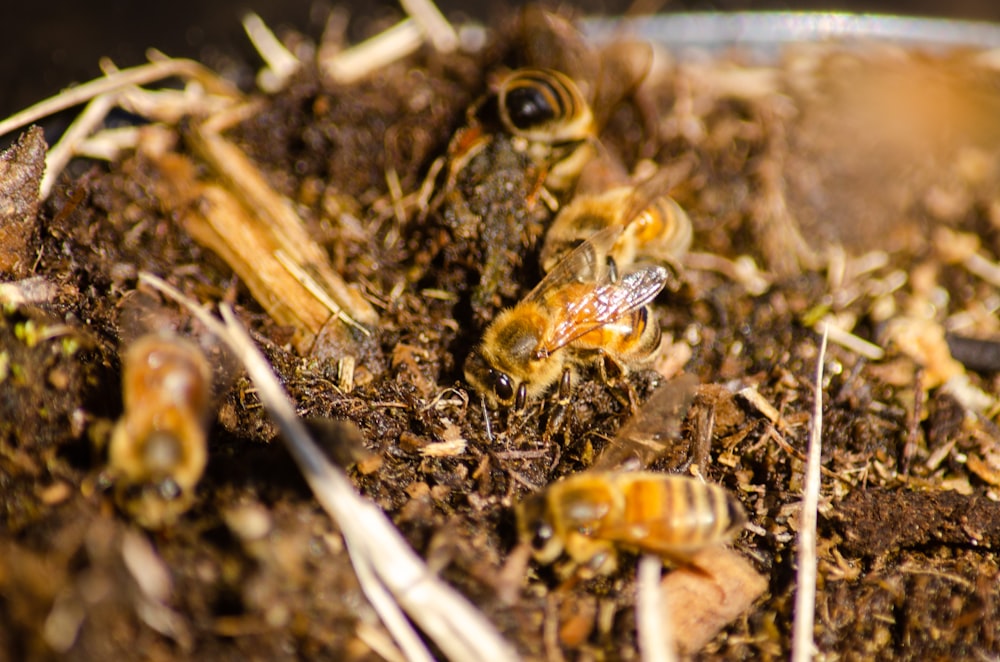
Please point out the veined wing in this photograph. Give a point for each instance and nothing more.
(587, 263)
(590, 307)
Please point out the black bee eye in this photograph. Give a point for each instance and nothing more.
(503, 387)
(529, 106)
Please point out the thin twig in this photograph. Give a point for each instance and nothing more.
(281, 63)
(64, 150)
(805, 595)
(386, 47)
(437, 28)
(278, 58)
(140, 75)
(656, 638)
(848, 340)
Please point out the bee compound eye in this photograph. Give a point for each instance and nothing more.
(502, 387)
(528, 106)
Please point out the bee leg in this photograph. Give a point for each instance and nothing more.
(612, 269)
(613, 374)
(557, 417)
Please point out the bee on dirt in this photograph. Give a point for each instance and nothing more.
(550, 120)
(158, 449)
(654, 227)
(583, 312)
(532, 136)
(590, 515)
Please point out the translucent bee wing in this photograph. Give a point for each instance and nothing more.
(651, 431)
(601, 305)
(655, 186)
(587, 263)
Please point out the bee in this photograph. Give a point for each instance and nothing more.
(654, 227)
(158, 448)
(583, 312)
(172, 374)
(590, 515)
(550, 120)
(528, 138)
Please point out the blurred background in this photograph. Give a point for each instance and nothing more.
(49, 45)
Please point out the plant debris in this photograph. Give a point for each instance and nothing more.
(366, 229)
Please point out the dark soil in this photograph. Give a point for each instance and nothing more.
(833, 146)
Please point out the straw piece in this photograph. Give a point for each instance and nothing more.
(353, 64)
(140, 75)
(437, 28)
(805, 595)
(656, 637)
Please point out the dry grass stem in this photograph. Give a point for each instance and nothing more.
(437, 28)
(316, 290)
(276, 257)
(382, 559)
(979, 266)
(281, 63)
(64, 150)
(354, 63)
(849, 341)
(805, 594)
(742, 270)
(141, 75)
(753, 397)
(215, 221)
(108, 144)
(653, 622)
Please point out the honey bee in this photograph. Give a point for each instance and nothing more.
(589, 515)
(158, 448)
(583, 312)
(529, 138)
(654, 227)
(550, 120)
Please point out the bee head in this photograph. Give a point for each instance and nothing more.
(156, 504)
(497, 386)
(534, 527)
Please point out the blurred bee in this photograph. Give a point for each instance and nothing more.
(590, 515)
(583, 312)
(653, 431)
(158, 449)
(654, 227)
